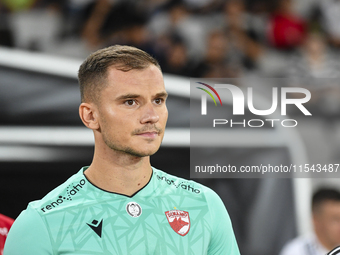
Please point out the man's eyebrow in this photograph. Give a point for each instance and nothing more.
(127, 96)
(162, 94)
(132, 96)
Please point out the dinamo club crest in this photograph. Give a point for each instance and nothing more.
(179, 221)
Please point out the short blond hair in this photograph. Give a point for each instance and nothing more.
(92, 73)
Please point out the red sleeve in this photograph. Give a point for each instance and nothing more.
(5, 225)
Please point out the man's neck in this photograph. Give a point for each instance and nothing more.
(124, 174)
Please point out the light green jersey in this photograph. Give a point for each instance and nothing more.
(169, 215)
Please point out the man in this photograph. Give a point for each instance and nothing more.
(326, 222)
(120, 204)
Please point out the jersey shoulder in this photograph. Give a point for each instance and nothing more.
(65, 195)
(168, 183)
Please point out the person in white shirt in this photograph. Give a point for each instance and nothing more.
(326, 222)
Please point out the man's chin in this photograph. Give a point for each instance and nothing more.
(137, 151)
(141, 153)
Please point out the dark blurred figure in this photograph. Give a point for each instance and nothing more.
(215, 64)
(202, 7)
(326, 222)
(120, 22)
(242, 34)
(5, 225)
(75, 15)
(6, 34)
(106, 19)
(287, 30)
(174, 19)
(176, 59)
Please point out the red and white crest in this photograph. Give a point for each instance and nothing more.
(179, 221)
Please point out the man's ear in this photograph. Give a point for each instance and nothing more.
(88, 115)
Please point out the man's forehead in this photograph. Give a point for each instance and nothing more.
(138, 75)
(135, 82)
(151, 69)
(334, 203)
(328, 205)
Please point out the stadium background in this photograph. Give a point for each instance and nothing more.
(42, 141)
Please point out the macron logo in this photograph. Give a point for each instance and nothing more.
(96, 227)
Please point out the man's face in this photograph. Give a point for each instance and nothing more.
(327, 222)
(132, 111)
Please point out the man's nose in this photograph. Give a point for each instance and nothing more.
(149, 114)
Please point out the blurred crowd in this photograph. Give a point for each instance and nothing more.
(194, 38)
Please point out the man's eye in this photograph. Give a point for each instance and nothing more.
(159, 100)
(130, 102)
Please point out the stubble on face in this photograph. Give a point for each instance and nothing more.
(136, 138)
(129, 150)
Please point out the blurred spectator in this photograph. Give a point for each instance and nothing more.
(5, 225)
(119, 22)
(237, 17)
(286, 29)
(106, 17)
(176, 19)
(202, 6)
(316, 60)
(36, 24)
(243, 35)
(326, 222)
(176, 59)
(215, 64)
(75, 14)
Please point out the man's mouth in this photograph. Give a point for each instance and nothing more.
(149, 134)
